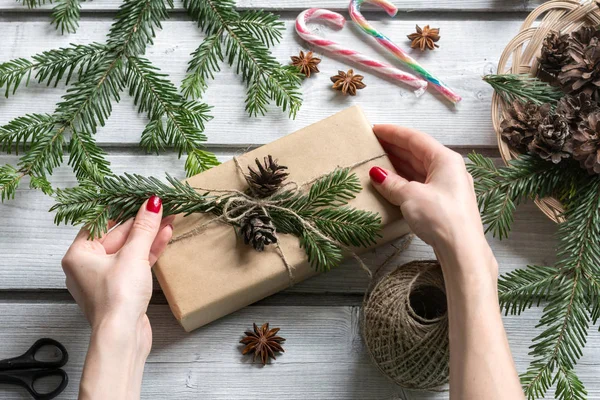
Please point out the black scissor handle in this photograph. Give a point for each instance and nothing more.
(28, 360)
(28, 378)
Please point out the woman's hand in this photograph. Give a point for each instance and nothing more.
(432, 187)
(436, 196)
(111, 280)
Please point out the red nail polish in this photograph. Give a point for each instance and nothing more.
(154, 204)
(377, 174)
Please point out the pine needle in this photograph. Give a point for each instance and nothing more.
(524, 88)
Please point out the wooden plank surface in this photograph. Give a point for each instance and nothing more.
(469, 49)
(325, 357)
(284, 5)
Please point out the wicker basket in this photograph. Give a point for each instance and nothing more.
(521, 56)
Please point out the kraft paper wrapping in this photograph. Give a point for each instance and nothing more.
(213, 274)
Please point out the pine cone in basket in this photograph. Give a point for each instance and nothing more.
(582, 73)
(521, 125)
(586, 143)
(576, 108)
(267, 179)
(554, 56)
(552, 140)
(258, 230)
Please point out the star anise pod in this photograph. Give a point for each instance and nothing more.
(348, 82)
(424, 38)
(263, 342)
(306, 63)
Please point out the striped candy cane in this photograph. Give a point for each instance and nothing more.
(351, 55)
(357, 17)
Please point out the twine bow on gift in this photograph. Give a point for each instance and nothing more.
(321, 219)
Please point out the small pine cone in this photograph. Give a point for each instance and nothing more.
(586, 143)
(519, 128)
(576, 108)
(582, 72)
(267, 179)
(552, 141)
(258, 230)
(554, 56)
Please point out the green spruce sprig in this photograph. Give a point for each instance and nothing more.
(102, 71)
(325, 208)
(524, 88)
(571, 287)
(243, 41)
(65, 14)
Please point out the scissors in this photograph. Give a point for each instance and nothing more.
(25, 370)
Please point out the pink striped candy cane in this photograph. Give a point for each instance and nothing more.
(357, 17)
(354, 56)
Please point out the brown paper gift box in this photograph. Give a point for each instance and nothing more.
(213, 274)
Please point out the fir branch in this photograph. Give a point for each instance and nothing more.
(203, 65)
(135, 25)
(335, 189)
(499, 190)
(9, 182)
(570, 287)
(350, 226)
(65, 15)
(519, 289)
(245, 44)
(559, 346)
(264, 26)
(118, 198)
(12, 74)
(86, 158)
(35, 3)
(524, 88)
(320, 230)
(322, 254)
(19, 133)
(51, 66)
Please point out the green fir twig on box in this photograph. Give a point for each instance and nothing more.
(324, 207)
(98, 73)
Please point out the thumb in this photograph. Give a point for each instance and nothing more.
(145, 227)
(389, 184)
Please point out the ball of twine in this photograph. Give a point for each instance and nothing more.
(405, 326)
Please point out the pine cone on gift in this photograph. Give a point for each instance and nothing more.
(576, 108)
(582, 73)
(521, 125)
(552, 140)
(586, 143)
(267, 179)
(554, 56)
(258, 230)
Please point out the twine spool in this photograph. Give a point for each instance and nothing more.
(405, 326)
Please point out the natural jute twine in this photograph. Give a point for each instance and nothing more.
(405, 326)
(520, 57)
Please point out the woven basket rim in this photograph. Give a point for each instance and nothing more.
(522, 51)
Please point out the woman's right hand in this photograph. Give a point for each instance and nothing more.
(432, 187)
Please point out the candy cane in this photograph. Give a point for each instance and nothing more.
(354, 10)
(351, 55)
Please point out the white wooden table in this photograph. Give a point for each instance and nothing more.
(325, 357)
